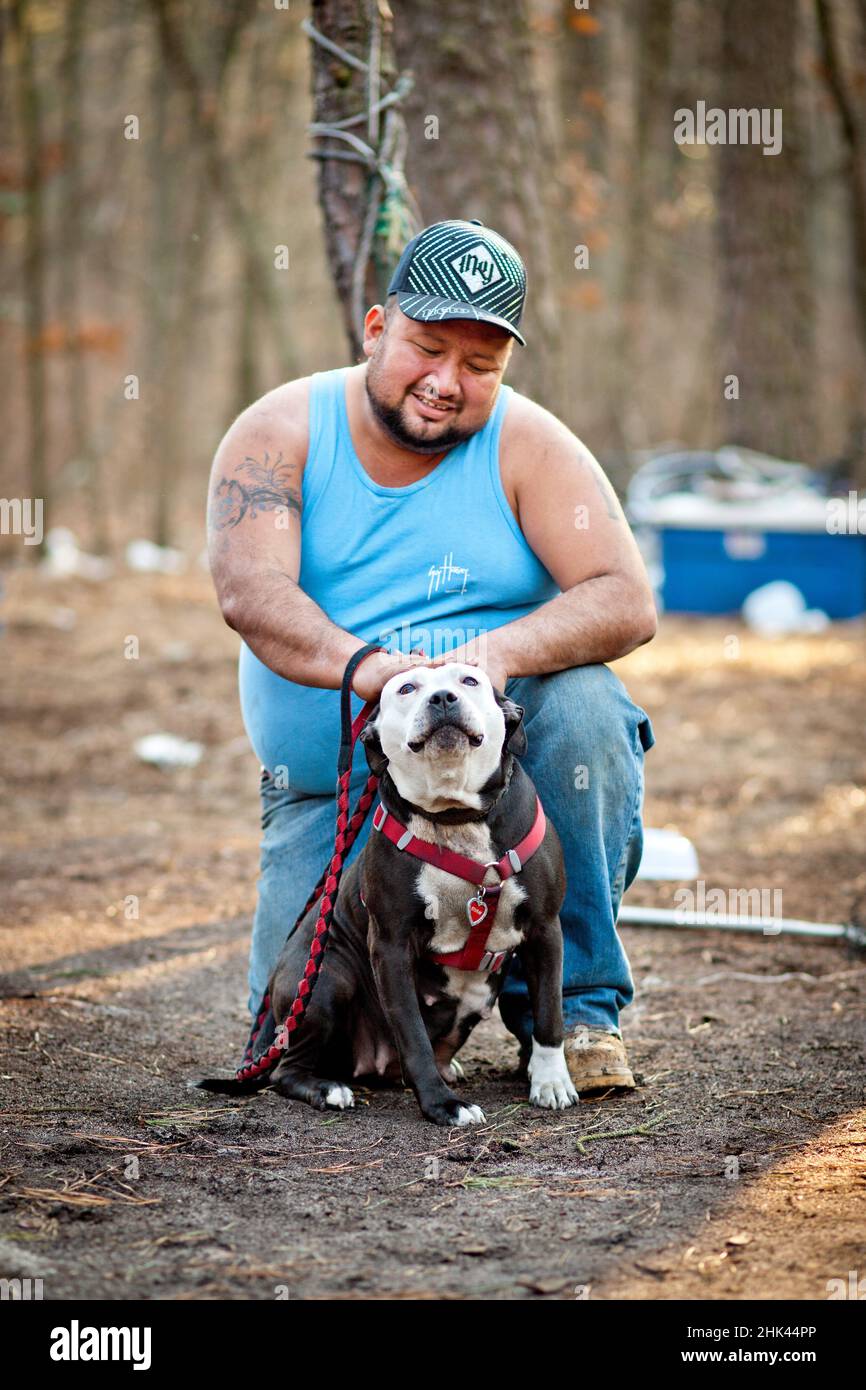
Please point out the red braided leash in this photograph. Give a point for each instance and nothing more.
(347, 832)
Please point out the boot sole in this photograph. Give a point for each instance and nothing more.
(620, 1080)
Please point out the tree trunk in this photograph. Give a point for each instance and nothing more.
(158, 446)
(851, 110)
(766, 330)
(350, 193)
(650, 157)
(192, 234)
(489, 156)
(30, 115)
(583, 84)
(247, 363)
(80, 450)
(203, 114)
(652, 149)
(581, 152)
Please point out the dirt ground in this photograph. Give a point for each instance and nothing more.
(735, 1170)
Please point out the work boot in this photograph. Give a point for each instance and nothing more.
(597, 1060)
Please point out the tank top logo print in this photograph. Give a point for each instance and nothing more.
(447, 578)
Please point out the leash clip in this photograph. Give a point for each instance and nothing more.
(484, 888)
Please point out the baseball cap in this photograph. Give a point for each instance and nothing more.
(461, 270)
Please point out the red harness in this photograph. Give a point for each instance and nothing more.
(481, 907)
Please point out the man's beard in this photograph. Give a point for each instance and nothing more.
(394, 422)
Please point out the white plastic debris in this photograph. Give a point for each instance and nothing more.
(148, 558)
(667, 855)
(63, 558)
(168, 751)
(777, 609)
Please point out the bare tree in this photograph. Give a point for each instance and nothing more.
(766, 330)
(79, 446)
(183, 235)
(361, 136)
(30, 116)
(846, 89)
(204, 112)
(479, 148)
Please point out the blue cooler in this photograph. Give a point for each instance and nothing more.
(707, 556)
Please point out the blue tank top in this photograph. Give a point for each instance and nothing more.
(432, 564)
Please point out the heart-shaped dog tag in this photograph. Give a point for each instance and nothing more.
(476, 910)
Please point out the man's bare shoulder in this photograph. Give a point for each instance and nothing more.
(530, 436)
(278, 420)
(258, 468)
(527, 422)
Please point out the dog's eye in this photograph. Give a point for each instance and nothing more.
(404, 688)
(469, 680)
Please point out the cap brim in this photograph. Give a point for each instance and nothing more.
(430, 308)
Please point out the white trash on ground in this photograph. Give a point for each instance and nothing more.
(168, 751)
(667, 855)
(148, 558)
(63, 558)
(777, 609)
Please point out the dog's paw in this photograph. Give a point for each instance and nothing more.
(471, 1115)
(550, 1086)
(339, 1097)
(454, 1112)
(554, 1096)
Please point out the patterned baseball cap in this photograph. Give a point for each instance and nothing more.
(461, 270)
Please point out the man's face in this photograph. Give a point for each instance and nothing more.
(461, 362)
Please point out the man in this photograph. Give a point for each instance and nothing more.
(416, 501)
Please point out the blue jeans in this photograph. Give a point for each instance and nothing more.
(585, 748)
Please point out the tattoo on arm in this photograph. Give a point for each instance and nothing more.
(264, 487)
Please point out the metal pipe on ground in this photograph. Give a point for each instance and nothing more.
(766, 926)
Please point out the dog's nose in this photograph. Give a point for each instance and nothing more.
(443, 698)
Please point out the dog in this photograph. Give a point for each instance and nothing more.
(391, 999)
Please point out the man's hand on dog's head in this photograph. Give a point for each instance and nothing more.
(377, 669)
(489, 661)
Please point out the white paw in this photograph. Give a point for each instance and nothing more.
(550, 1085)
(470, 1115)
(457, 1069)
(340, 1098)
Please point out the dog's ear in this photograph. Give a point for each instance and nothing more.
(369, 736)
(515, 734)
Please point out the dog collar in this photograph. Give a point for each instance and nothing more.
(481, 907)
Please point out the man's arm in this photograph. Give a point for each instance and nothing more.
(572, 520)
(254, 546)
(254, 542)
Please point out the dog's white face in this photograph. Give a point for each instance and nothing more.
(442, 730)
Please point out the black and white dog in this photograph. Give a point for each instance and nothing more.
(413, 962)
